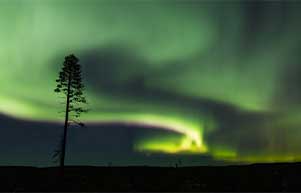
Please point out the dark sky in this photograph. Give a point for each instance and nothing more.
(204, 82)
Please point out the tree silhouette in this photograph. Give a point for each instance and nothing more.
(70, 85)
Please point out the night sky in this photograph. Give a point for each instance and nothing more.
(201, 82)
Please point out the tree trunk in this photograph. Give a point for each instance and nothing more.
(62, 158)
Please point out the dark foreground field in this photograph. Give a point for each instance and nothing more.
(260, 177)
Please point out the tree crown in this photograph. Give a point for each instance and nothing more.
(70, 84)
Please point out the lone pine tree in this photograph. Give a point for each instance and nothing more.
(70, 85)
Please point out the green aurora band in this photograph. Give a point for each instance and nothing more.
(198, 50)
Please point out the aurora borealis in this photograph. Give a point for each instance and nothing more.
(202, 78)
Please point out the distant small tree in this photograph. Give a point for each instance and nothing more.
(69, 84)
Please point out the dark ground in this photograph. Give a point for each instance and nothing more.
(257, 177)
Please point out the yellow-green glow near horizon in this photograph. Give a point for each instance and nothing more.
(176, 58)
(191, 142)
(171, 145)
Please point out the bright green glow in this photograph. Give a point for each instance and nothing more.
(186, 51)
(192, 142)
(170, 145)
(192, 131)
